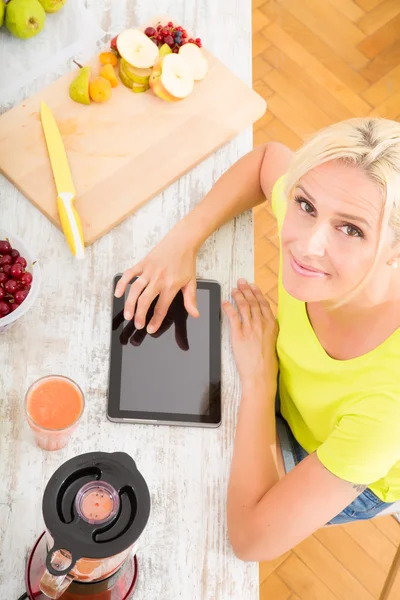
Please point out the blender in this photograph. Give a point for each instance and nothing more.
(95, 507)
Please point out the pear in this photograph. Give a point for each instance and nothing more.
(165, 49)
(52, 6)
(2, 12)
(79, 88)
(25, 18)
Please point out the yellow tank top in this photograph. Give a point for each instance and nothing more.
(348, 411)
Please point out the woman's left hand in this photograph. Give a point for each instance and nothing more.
(254, 332)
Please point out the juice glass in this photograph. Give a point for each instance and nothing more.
(53, 406)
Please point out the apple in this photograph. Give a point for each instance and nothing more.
(137, 49)
(172, 78)
(134, 73)
(138, 88)
(127, 80)
(196, 59)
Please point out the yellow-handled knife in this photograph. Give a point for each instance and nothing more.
(69, 217)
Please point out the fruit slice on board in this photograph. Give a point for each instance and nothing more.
(137, 49)
(194, 56)
(108, 73)
(127, 81)
(172, 78)
(138, 88)
(79, 87)
(137, 75)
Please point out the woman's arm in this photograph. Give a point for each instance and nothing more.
(171, 265)
(266, 515)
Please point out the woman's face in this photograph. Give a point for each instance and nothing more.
(330, 234)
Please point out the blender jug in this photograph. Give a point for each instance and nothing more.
(95, 508)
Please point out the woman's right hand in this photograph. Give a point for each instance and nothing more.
(168, 268)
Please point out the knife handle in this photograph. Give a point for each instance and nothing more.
(71, 224)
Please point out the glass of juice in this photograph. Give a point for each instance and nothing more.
(54, 406)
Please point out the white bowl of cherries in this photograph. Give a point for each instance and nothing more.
(19, 279)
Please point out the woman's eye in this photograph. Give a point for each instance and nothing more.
(351, 231)
(304, 205)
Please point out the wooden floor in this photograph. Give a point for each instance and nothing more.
(317, 62)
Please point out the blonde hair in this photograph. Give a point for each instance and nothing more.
(371, 144)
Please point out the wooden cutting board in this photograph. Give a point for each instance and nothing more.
(123, 152)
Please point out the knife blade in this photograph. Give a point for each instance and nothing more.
(66, 192)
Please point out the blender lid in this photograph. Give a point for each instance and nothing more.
(95, 505)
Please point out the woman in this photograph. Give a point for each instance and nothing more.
(337, 203)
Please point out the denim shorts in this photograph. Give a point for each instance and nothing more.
(365, 506)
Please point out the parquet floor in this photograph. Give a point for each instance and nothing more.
(317, 62)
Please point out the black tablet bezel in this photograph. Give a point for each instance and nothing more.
(115, 413)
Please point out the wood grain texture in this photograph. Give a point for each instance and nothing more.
(315, 45)
(126, 151)
(184, 552)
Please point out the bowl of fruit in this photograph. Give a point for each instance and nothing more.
(19, 279)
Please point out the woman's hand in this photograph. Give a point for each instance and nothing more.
(254, 332)
(169, 267)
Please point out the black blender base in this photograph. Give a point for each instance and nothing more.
(120, 586)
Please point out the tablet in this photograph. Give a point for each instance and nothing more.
(174, 376)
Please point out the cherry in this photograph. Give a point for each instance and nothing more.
(14, 254)
(11, 286)
(169, 40)
(170, 24)
(16, 270)
(190, 41)
(20, 260)
(26, 278)
(6, 260)
(3, 278)
(2, 293)
(5, 247)
(4, 308)
(7, 269)
(150, 31)
(13, 306)
(20, 296)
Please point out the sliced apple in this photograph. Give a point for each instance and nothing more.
(138, 88)
(137, 49)
(134, 73)
(172, 78)
(194, 56)
(127, 81)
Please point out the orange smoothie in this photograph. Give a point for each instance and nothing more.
(53, 405)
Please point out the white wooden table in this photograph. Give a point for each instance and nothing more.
(184, 551)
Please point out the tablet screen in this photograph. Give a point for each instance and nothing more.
(159, 375)
(175, 374)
